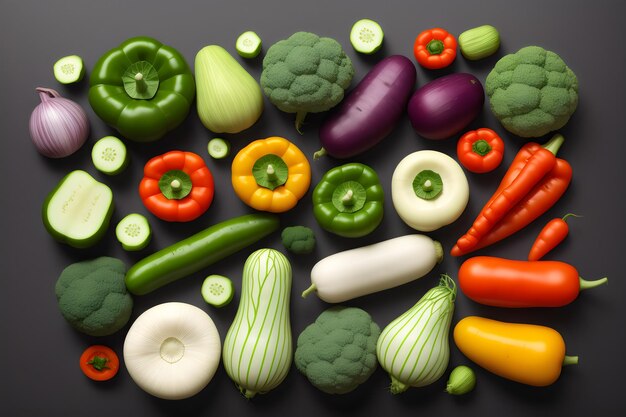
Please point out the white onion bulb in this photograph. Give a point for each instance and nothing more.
(172, 350)
(58, 126)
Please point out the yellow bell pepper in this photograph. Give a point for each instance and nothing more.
(271, 174)
(525, 353)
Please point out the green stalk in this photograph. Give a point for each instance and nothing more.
(570, 360)
(555, 143)
(585, 285)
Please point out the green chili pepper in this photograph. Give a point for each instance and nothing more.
(142, 88)
(348, 201)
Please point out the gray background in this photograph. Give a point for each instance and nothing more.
(39, 351)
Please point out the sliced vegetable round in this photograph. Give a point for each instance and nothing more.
(366, 36)
(218, 148)
(109, 155)
(133, 232)
(69, 69)
(99, 362)
(429, 190)
(248, 44)
(172, 350)
(217, 290)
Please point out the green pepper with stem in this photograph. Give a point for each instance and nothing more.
(142, 88)
(348, 201)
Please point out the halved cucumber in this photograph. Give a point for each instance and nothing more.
(78, 210)
(69, 69)
(248, 44)
(133, 232)
(218, 148)
(109, 155)
(366, 36)
(217, 290)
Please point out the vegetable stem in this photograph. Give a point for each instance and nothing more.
(175, 184)
(99, 363)
(570, 215)
(397, 387)
(438, 251)
(481, 147)
(555, 143)
(140, 82)
(585, 285)
(570, 360)
(46, 93)
(309, 290)
(348, 198)
(435, 47)
(271, 172)
(428, 185)
(300, 120)
(317, 155)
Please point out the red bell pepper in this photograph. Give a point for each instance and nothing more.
(435, 48)
(177, 186)
(480, 150)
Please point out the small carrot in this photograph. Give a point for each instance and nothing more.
(99, 362)
(550, 236)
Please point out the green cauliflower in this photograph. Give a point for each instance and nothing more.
(306, 74)
(298, 239)
(92, 296)
(532, 92)
(337, 353)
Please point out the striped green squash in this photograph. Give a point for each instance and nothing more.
(414, 348)
(258, 347)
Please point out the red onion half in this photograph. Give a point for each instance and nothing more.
(58, 126)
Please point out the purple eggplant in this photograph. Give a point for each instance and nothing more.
(371, 110)
(443, 107)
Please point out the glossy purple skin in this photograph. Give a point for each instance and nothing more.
(371, 110)
(445, 106)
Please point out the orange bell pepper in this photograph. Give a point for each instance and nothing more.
(435, 48)
(177, 186)
(480, 150)
(271, 174)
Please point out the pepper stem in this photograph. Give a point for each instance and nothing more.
(271, 172)
(317, 155)
(175, 184)
(570, 360)
(140, 82)
(99, 363)
(585, 285)
(435, 47)
(309, 290)
(569, 215)
(555, 143)
(481, 147)
(348, 198)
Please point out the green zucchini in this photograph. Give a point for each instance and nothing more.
(198, 251)
(414, 348)
(258, 347)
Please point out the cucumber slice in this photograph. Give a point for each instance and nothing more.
(69, 69)
(133, 232)
(248, 44)
(366, 36)
(109, 155)
(218, 148)
(78, 210)
(217, 290)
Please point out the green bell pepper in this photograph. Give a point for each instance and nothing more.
(348, 200)
(142, 88)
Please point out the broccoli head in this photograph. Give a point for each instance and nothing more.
(298, 239)
(532, 92)
(306, 74)
(337, 353)
(92, 296)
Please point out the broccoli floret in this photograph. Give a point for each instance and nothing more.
(92, 296)
(298, 239)
(532, 92)
(306, 74)
(337, 353)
